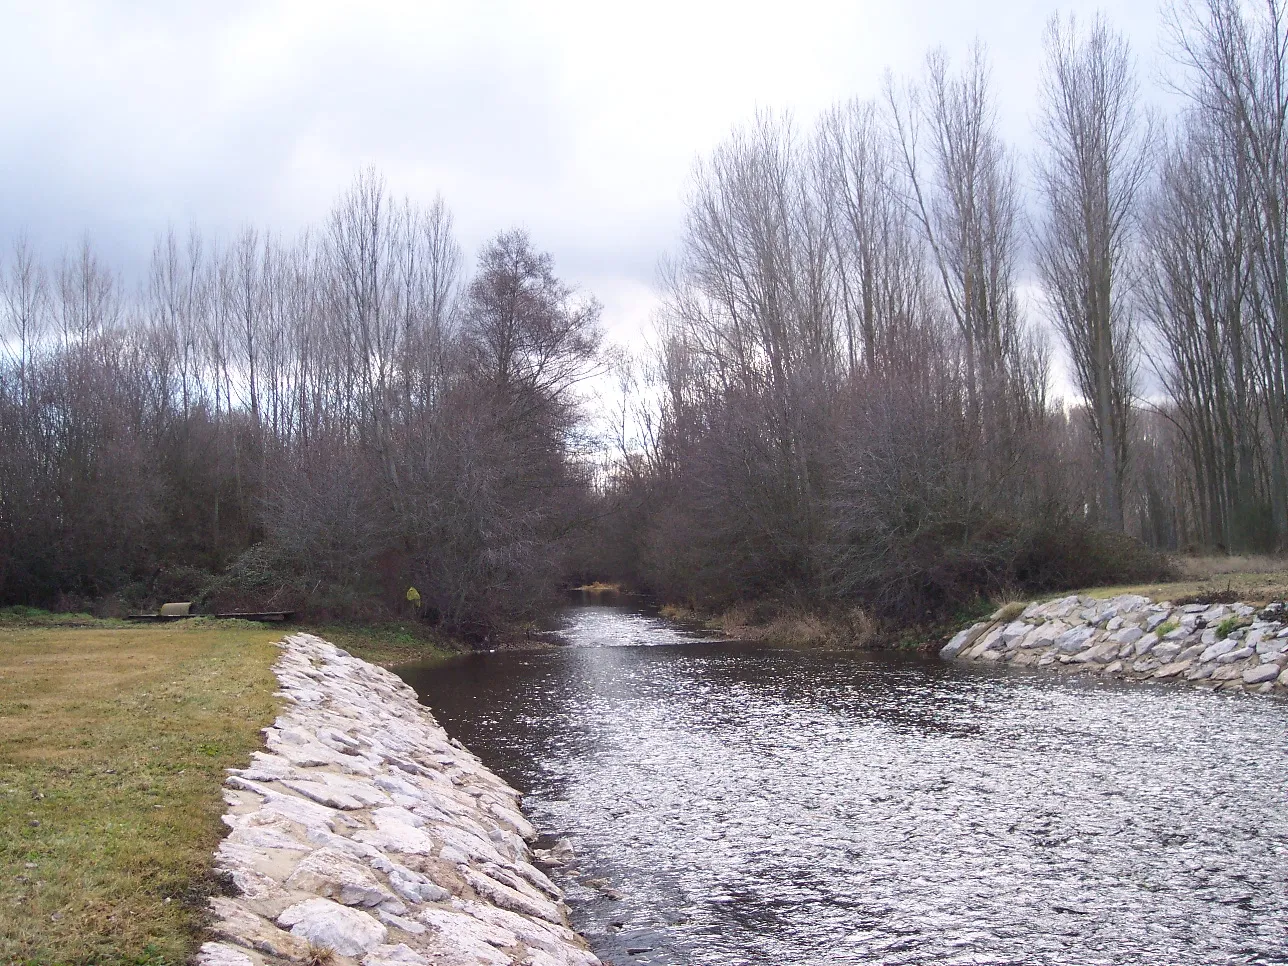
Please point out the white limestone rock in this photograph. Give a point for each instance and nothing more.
(234, 922)
(409, 884)
(1013, 632)
(508, 897)
(1144, 645)
(1216, 650)
(399, 955)
(1074, 639)
(1172, 669)
(1061, 608)
(984, 643)
(400, 838)
(1271, 645)
(1128, 635)
(340, 786)
(1044, 634)
(220, 954)
(333, 874)
(1238, 654)
(364, 820)
(267, 837)
(1261, 673)
(323, 922)
(463, 940)
(400, 922)
(1100, 653)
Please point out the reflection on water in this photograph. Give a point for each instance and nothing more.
(781, 807)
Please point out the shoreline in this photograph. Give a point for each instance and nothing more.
(365, 835)
(1228, 647)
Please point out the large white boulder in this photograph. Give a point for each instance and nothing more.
(217, 954)
(1261, 673)
(333, 874)
(323, 922)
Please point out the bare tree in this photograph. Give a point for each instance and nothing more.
(962, 188)
(178, 287)
(1092, 171)
(1236, 57)
(24, 297)
(88, 297)
(1199, 278)
(877, 256)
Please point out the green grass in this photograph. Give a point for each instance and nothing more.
(29, 617)
(113, 743)
(386, 644)
(1230, 625)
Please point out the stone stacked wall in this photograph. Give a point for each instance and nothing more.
(364, 835)
(1231, 647)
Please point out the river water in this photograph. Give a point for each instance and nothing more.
(733, 804)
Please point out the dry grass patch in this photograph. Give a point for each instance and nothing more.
(1208, 567)
(1257, 580)
(113, 745)
(599, 587)
(679, 612)
(1009, 611)
(798, 626)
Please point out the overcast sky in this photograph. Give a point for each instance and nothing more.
(580, 122)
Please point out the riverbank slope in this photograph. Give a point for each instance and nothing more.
(1235, 646)
(365, 835)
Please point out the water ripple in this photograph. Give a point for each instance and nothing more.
(754, 806)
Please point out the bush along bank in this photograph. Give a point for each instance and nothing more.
(365, 835)
(1230, 647)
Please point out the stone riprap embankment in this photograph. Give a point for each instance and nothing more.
(364, 835)
(1231, 647)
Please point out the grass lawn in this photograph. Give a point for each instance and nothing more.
(113, 743)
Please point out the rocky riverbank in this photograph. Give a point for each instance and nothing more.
(364, 835)
(1226, 646)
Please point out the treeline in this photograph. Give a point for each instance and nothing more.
(327, 420)
(849, 401)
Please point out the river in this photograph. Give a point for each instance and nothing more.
(735, 804)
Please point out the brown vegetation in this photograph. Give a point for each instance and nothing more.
(854, 407)
(272, 424)
(853, 401)
(848, 405)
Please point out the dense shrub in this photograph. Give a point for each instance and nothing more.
(317, 424)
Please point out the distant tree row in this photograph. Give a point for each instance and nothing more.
(849, 400)
(333, 418)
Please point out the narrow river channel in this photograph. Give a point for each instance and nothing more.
(734, 804)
